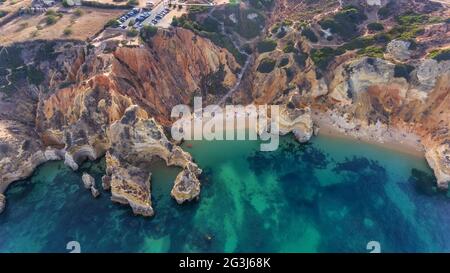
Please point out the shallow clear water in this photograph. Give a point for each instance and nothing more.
(331, 195)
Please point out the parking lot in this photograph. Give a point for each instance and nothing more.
(138, 17)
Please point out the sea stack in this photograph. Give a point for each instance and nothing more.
(88, 181)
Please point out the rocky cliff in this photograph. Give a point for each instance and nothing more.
(367, 97)
(71, 101)
(91, 101)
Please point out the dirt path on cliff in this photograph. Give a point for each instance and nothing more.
(236, 44)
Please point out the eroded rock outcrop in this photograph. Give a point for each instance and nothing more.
(136, 142)
(88, 181)
(369, 92)
(298, 121)
(94, 191)
(438, 158)
(2, 202)
(399, 50)
(84, 90)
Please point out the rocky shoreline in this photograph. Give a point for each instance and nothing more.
(115, 101)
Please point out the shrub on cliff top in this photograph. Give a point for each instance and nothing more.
(403, 71)
(345, 23)
(261, 4)
(78, 12)
(375, 27)
(440, 55)
(147, 32)
(3, 13)
(290, 47)
(411, 18)
(266, 65)
(372, 51)
(67, 32)
(310, 35)
(387, 11)
(50, 20)
(132, 32)
(322, 57)
(283, 62)
(35, 76)
(266, 45)
(112, 23)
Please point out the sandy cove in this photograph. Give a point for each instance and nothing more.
(334, 125)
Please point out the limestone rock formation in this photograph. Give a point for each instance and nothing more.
(136, 142)
(88, 181)
(2, 202)
(106, 183)
(187, 185)
(399, 50)
(95, 193)
(298, 121)
(85, 90)
(439, 160)
(369, 91)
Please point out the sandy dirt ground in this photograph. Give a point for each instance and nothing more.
(399, 140)
(14, 5)
(31, 27)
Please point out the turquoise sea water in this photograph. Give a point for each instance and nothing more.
(331, 195)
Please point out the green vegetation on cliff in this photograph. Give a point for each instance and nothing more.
(266, 65)
(322, 57)
(112, 23)
(403, 71)
(440, 54)
(210, 27)
(266, 45)
(283, 62)
(247, 22)
(290, 47)
(372, 51)
(261, 4)
(308, 33)
(411, 18)
(3, 13)
(387, 11)
(345, 22)
(147, 32)
(375, 26)
(213, 83)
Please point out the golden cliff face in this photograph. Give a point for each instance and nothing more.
(169, 71)
(88, 93)
(364, 94)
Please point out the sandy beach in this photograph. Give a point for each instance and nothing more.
(333, 125)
